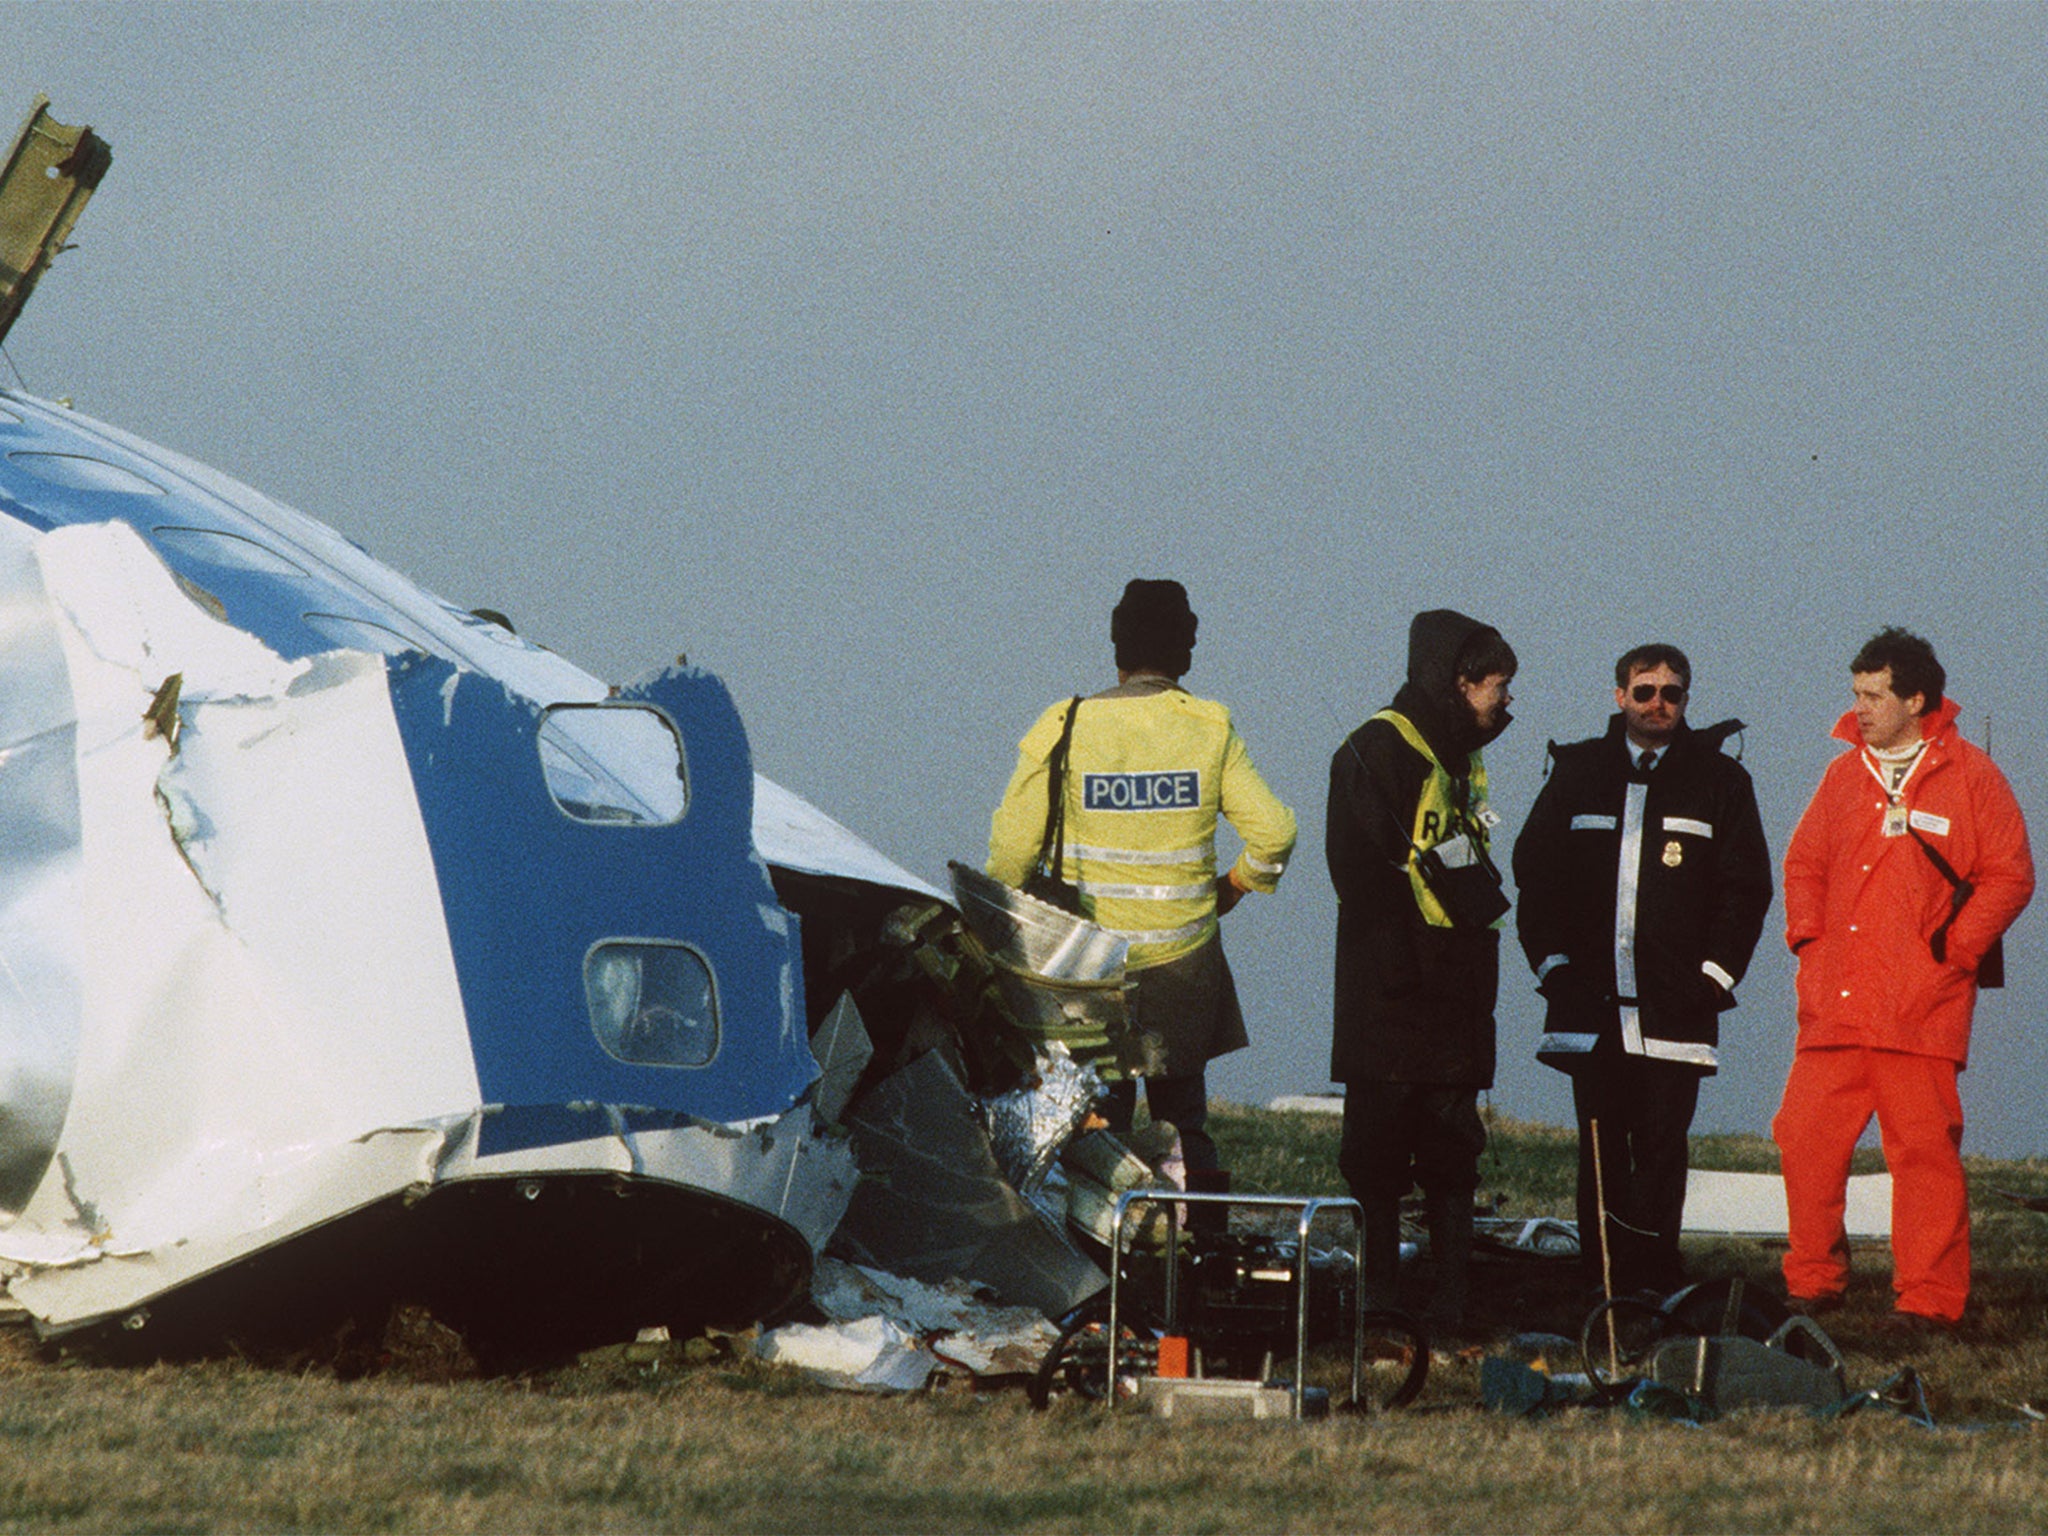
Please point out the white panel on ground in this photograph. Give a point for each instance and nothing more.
(1753, 1205)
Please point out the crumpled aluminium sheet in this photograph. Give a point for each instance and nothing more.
(1547, 1237)
(958, 1324)
(843, 1050)
(932, 1204)
(74, 1272)
(1028, 1126)
(868, 1354)
(889, 1333)
(1026, 934)
(227, 1027)
(1060, 977)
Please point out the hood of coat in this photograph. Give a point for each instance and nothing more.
(1431, 698)
(1687, 738)
(1935, 724)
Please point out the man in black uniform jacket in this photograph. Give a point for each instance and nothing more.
(1643, 880)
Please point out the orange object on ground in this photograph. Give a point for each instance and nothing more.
(1173, 1355)
(1829, 1099)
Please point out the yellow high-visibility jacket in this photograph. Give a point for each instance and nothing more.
(1150, 769)
(1439, 818)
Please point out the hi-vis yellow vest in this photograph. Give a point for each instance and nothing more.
(1438, 818)
(1147, 777)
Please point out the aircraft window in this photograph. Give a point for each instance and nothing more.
(652, 1003)
(614, 763)
(228, 550)
(83, 474)
(359, 634)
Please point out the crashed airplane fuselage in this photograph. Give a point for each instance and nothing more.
(351, 946)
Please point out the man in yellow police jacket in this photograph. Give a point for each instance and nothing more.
(1150, 767)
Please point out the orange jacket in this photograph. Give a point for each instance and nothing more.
(1861, 908)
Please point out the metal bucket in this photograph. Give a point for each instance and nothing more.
(1031, 935)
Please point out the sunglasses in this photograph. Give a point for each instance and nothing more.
(1673, 693)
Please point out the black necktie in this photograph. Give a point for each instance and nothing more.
(1648, 760)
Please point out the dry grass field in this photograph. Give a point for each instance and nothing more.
(702, 1438)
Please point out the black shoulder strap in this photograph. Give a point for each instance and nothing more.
(1960, 891)
(1051, 850)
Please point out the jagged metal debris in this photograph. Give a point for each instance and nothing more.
(48, 176)
(933, 1204)
(1028, 1127)
(844, 1050)
(869, 1354)
(1543, 1236)
(1061, 978)
(956, 1320)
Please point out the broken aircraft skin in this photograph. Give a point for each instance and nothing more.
(354, 949)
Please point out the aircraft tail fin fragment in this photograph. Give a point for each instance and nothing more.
(49, 174)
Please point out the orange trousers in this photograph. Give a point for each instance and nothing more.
(1829, 1099)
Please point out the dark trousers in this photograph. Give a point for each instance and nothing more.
(1397, 1135)
(1645, 1111)
(1183, 1101)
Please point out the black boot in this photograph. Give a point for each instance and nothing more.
(1381, 1281)
(1450, 1251)
(1209, 1219)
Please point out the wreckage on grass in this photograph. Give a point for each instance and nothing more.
(354, 949)
(372, 962)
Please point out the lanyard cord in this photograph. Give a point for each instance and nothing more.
(1895, 796)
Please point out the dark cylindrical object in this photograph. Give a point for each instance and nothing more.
(1209, 1217)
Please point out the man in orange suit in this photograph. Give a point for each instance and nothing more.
(1905, 871)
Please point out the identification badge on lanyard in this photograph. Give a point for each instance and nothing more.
(1895, 821)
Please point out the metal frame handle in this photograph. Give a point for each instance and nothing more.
(1308, 1208)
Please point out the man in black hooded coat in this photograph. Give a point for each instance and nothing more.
(1417, 973)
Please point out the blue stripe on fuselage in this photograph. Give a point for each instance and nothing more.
(527, 891)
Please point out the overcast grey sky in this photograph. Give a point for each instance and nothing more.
(864, 353)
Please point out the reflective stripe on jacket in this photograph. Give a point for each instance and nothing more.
(1150, 769)
(1443, 812)
(1639, 886)
(1413, 1002)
